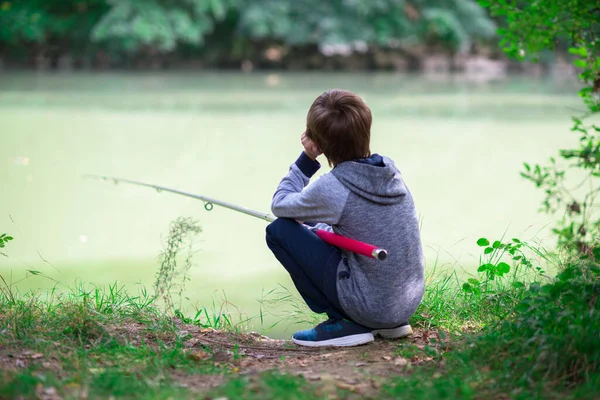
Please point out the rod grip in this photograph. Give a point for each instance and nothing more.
(355, 246)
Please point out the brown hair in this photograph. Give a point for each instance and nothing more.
(339, 123)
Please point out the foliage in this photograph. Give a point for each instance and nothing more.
(532, 27)
(154, 27)
(49, 22)
(547, 349)
(495, 270)
(4, 239)
(157, 24)
(381, 22)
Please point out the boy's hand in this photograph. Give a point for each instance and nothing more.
(310, 148)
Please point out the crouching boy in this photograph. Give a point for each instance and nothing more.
(363, 197)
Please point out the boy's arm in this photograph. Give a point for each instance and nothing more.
(323, 201)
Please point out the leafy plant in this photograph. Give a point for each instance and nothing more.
(534, 27)
(546, 348)
(4, 239)
(180, 239)
(496, 271)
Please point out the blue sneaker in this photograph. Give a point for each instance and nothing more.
(334, 332)
(398, 332)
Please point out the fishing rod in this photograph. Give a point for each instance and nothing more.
(333, 239)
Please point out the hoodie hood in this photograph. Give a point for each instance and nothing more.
(375, 178)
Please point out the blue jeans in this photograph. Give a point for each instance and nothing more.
(311, 263)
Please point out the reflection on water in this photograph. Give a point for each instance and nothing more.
(459, 145)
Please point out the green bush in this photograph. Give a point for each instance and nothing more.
(548, 347)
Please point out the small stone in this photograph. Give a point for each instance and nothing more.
(400, 362)
(50, 391)
(199, 355)
(387, 358)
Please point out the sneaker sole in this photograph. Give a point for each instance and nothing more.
(346, 341)
(394, 333)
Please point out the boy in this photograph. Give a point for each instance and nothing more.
(364, 198)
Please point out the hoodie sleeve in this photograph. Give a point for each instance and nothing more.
(322, 201)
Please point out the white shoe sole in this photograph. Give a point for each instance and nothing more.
(394, 333)
(346, 341)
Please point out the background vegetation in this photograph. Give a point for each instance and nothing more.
(225, 33)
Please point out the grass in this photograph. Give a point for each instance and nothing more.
(92, 341)
(547, 348)
(509, 332)
(96, 342)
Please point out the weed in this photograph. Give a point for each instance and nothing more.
(180, 239)
(4, 239)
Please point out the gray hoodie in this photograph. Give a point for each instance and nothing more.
(366, 200)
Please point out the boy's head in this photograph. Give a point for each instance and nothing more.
(339, 123)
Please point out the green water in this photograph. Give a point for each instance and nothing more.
(459, 144)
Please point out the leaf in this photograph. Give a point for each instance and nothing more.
(579, 51)
(483, 242)
(518, 285)
(488, 250)
(474, 282)
(8, 238)
(535, 287)
(467, 288)
(580, 63)
(585, 92)
(567, 274)
(484, 267)
(497, 244)
(504, 268)
(522, 307)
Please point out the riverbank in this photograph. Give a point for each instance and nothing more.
(506, 334)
